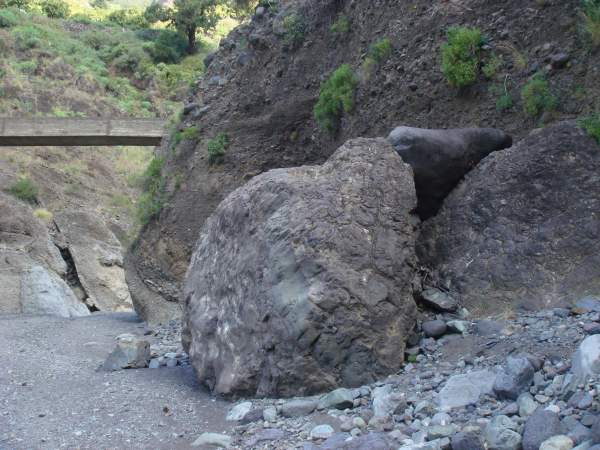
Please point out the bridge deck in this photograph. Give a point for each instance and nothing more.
(45, 132)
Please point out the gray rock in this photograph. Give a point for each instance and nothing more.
(486, 327)
(586, 360)
(273, 335)
(559, 442)
(218, 440)
(438, 300)
(578, 433)
(131, 352)
(467, 441)
(465, 389)
(527, 405)
(515, 232)
(440, 431)
(500, 434)
(587, 446)
(596, 431)
(441, 418)
(588, 304)
(541, 425)
(514, 378)
(559, 60)
(385, 402)
(340, 399)
(154, 364)
(370, 441)
(441, 158)
(270, 414)
(434, 328)
(298, 407)
(43, 292)
(239, 411)
(265, 435)
(457, 326)
(321, 432)
(581, 400)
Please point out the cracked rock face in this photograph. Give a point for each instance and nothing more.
(523, 228)
(302, 280)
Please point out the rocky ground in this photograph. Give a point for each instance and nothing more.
(509, 382)
(52, 394)
(506, 383)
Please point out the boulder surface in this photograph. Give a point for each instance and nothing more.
(523, 228)
(302, 279)
(441, 158)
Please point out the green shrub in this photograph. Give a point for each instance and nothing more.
(152, 199)
(24, 189)
(20, 4)
(8, 18)
(491, 66)
(216, 148)
(537, 97)
(28, 37)
(335, 98)
(55, 9)
(27, 67)
(381, 50)
(591, 124)
(340, 26)
(504, 102)
(461, 55)
(295, 29)
(128, 18)
(168, 46)
(591, 11)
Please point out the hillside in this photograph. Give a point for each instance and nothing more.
(92, 63)
(264, 82)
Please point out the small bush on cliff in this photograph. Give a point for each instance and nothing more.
(216, 148)
(340, 26)
(381, 50)
(295, 29)
(56, 9)
(591, 13)
(24, 189)
(8, 18)
(537, 96)
(591, 124)
(461, 55)
(154, 186)
(335, 98)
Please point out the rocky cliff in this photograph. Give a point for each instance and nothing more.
(261, 86)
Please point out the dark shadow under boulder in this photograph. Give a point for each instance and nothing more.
(302, 279)
(523, 228)
(441, 158)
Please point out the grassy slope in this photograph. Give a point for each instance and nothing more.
(69, 68)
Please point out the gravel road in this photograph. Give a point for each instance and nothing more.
(52, 395)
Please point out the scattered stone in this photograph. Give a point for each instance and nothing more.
(219, 440)
(268, 434)
(434, 328)
(586, 360)
(154, 364)
(541, 425)
(588, 304)
(239, 411)
(526, 404)
(500, 434)
(340, 399)
(438, 300)
(385, 402)
(559, 60)
(131, 352)
(321, 432)
(457, 326)
(559, 442)
(467, 441)
(465, 389)
(298, 407)
(514, 378)
(270, 414)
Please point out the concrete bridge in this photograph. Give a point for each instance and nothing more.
(46, 132)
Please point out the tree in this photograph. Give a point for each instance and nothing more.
(187, 16)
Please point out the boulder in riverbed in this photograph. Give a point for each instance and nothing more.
(302, 279)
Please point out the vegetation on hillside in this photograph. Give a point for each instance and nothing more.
(335, 98)
(461, 56)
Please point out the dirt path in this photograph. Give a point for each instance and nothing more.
(51, 395)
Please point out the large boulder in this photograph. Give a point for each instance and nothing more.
(302, 279)
(523, 228)
(98, 257)
(441, 158)
(44, 292)
(25, 243)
